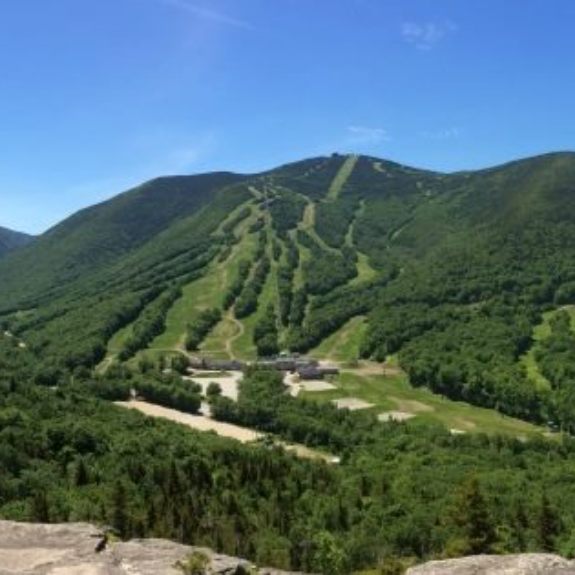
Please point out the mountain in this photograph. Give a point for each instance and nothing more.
(10, 240)
(99, 235)
(443, 305)
(450, 275)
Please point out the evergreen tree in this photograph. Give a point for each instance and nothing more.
(328, 557)
(548, 524)
(119, 511)
(40, 510)
(471, 516)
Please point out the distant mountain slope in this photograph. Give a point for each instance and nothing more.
(11, 240)
(452, 271)
(99, 235)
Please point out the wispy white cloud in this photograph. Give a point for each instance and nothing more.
(443, 134)
(366, 136)
(209, 14)
(425, 35)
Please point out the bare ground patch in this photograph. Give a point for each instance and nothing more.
(352, 403)
(411, 405)
(205, 423)
(395, 416)
(228, 383)
(464, 424)
(199, 422)
(293, 384)
(317, 385)
(367, 368)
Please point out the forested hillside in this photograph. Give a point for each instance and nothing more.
(11, 240)
(453, 271)
(401, 493)
(99, 235)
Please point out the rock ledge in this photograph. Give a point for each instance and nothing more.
(526, 564)
(83, 549)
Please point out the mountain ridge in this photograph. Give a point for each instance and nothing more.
(11, 240)
(411, 250)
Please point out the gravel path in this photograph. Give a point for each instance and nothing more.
(204, 423)
(199, 422)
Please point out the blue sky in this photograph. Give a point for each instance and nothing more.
(99, 95)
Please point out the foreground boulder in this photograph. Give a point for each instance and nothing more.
(83, 549)
(526, 564)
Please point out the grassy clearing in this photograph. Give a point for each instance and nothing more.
(304, 256)
(393, 393)
(255, 192)
(119, 339)
(364, 270)
(203, 293)
(341, 177)
(308, 225)
(219, 342)
(540, 333)
(216, 340)
(243, 347)
(378, 167)
(243, 224)
(343, 345)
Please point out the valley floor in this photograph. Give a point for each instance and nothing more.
(392, 397)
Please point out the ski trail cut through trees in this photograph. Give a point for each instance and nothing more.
(341, 177)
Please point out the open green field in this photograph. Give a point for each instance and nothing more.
(199, 295)
(540, 333)
(343, 345)
(218, 344)
(203, 293)
(394, 393)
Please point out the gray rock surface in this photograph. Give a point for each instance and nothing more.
(82, 549)
(526, 564)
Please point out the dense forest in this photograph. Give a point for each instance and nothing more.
(402, 493)
(11, 240)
